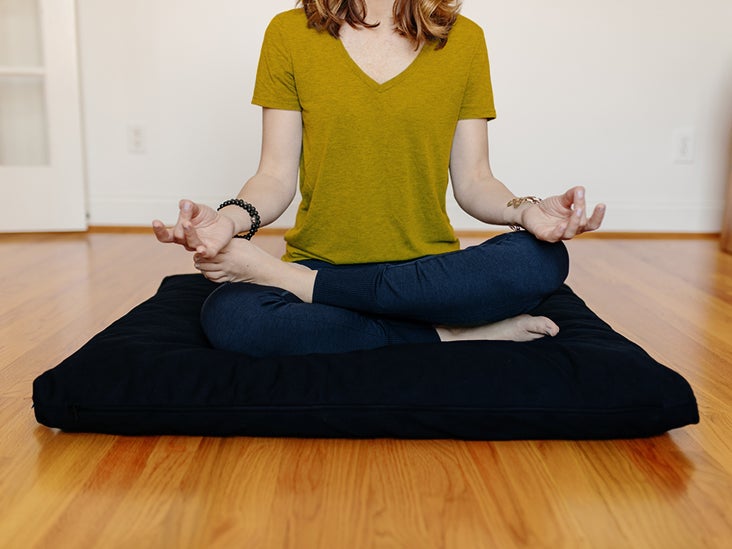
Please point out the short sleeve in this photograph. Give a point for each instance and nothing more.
(275, 86)
(478, 96)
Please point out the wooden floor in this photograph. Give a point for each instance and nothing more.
(674, 297)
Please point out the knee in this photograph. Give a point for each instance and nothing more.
(218, 314)
(553, 259)
(233, 318)
(544, 265)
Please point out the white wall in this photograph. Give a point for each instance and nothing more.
(586, 93)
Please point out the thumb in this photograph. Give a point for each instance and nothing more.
(188, 210)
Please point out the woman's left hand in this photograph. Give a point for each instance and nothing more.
(562, 217)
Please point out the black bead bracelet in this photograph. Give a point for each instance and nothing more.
(251, 210)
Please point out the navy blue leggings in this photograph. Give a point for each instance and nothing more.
(359, 307)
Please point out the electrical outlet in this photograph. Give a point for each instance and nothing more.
(136, 138)
(684, 145)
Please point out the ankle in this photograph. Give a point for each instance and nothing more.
(296, 279)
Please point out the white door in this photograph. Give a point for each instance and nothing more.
(41, 167)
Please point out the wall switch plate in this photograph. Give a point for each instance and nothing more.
(136, 138)
(684, 145)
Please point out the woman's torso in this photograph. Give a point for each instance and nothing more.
(375, 160)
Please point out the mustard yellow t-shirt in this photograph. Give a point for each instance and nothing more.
(375, 158)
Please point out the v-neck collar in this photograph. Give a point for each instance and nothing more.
(393, 81)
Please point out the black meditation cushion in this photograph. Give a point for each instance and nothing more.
(154, 372)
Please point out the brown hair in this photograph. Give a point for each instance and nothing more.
(418, 20)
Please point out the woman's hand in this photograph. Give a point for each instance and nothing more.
(562, 217)
(199, 229)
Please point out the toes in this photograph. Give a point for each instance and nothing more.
(551, 328)
(539, 325)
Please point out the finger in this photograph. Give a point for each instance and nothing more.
(185, 215)
(582, 221)
(579, 199)
(186, 209)
(178, 231)
(573, 226)
(597, 216)
(581, 205)
(167, 236)
(568, 198)
(164, 234)
(192, 239)
(191, 207)
(161, 232)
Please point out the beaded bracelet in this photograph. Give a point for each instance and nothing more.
(251, 210)
(516, 202)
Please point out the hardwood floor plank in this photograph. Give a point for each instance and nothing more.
(246, 470)
(518, 506)
(62, 464)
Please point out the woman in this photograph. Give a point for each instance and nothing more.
(371, 103)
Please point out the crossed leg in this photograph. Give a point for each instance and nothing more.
(482, 292)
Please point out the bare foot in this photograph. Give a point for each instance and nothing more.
(518, 328)
(242, 261)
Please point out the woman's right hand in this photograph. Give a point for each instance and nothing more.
(199, 229)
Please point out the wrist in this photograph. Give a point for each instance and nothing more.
(254, 219)
(241, 221)
(516, 209)
(513, 216)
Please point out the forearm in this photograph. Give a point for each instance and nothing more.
(486, 199)
(481, 195)
(273, 187)
(268, 194)
(476, 190)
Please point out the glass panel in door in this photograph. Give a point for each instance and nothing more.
(23, 117)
